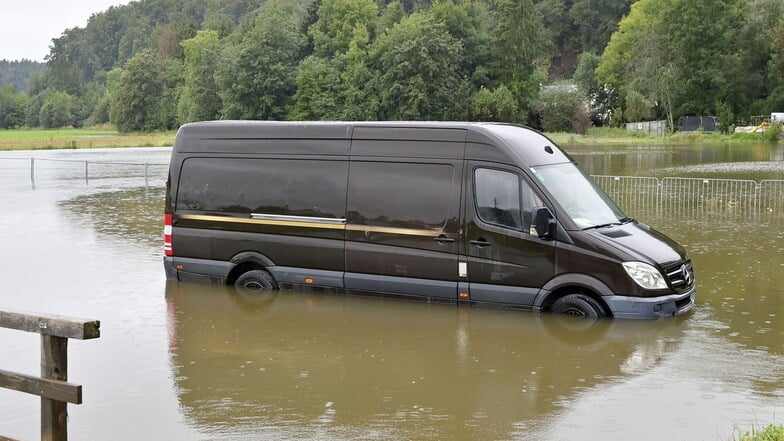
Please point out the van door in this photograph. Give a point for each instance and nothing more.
(506, 263)
(402, 226)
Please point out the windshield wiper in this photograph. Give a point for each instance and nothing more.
(623, 221)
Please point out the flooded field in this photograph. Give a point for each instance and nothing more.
(179, 361)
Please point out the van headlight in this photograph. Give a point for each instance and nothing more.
(645, 275)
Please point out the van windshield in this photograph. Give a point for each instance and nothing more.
(582, 199)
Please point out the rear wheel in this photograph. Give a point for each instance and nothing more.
(579, 305)
(257, 280)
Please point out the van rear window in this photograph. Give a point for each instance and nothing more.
(264, 186)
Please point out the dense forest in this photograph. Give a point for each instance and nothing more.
(553, 64)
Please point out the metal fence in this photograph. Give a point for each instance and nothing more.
(46, 169)
(632, 193)
(695, 197)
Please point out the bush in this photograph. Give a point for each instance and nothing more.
(638, 108)
(498, 105)
(773, 132)
(564, 111)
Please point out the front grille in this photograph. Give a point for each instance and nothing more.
(681, 276)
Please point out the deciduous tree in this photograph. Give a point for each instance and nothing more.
(200, 99)
(257, 73)
(138, 93)
(419, 75)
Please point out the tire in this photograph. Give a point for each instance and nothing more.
(579, 305)
(257, 280)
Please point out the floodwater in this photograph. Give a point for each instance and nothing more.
(179, 361)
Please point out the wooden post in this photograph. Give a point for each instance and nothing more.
(54, 366)
(52, 386)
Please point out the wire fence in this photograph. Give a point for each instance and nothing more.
(46, 169)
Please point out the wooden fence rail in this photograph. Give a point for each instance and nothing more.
(52, 386)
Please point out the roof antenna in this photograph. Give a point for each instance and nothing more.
(548, 149)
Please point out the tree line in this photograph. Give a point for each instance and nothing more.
(155, 64)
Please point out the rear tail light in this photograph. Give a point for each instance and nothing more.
(167, 235)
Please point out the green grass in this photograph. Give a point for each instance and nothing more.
(24, 139)
(614, 135)
(80, 139)
(770, 433)
(56, 133)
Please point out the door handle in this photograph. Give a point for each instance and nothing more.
(481, 242)
(443, 239)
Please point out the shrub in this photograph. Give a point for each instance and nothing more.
(496, 105)
(773, 132)
(564, 111)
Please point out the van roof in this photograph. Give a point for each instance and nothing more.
(514, 140)
(312, 129)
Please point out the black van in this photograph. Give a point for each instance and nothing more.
(474, 213)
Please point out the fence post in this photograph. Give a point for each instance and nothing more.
(54, 366)
(86, 173)
(51, 386)
(32, 170)
(146, 178)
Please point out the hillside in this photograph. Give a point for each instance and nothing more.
(155, 64)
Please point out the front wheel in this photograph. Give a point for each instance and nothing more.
(257, 280)
(579, 305)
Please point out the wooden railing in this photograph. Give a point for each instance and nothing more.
(52, 386)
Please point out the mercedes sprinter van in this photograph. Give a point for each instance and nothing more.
(464, 213)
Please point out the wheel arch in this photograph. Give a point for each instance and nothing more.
(247, 261)
(573, 284)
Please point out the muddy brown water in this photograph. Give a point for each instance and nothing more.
(179, 361)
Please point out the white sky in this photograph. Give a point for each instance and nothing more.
(27, 27)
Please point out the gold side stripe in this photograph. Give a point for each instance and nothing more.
(393, 230)
(324, 225)
(280, 223)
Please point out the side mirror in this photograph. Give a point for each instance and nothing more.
(544, 223)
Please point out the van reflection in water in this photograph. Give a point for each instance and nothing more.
(307, 365)
(471, 213)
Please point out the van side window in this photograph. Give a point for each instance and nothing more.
(265, 186)
(401, 195)
(497, 195)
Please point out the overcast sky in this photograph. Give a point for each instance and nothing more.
(27, 27)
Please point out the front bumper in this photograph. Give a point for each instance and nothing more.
(651, 307)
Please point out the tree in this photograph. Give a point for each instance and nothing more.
(595, 21)
(468, 22)
(340, 87)
(13, 105)
(563, 109)
(318, 89)
(138, 93)
(638, 108)
(200, 99)
(495, 105)
(57, 110)
(257, 72)
(518, 45)
(701, 38)
(164, 115)
(419, 75)
(337, 23)
(677, 53)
